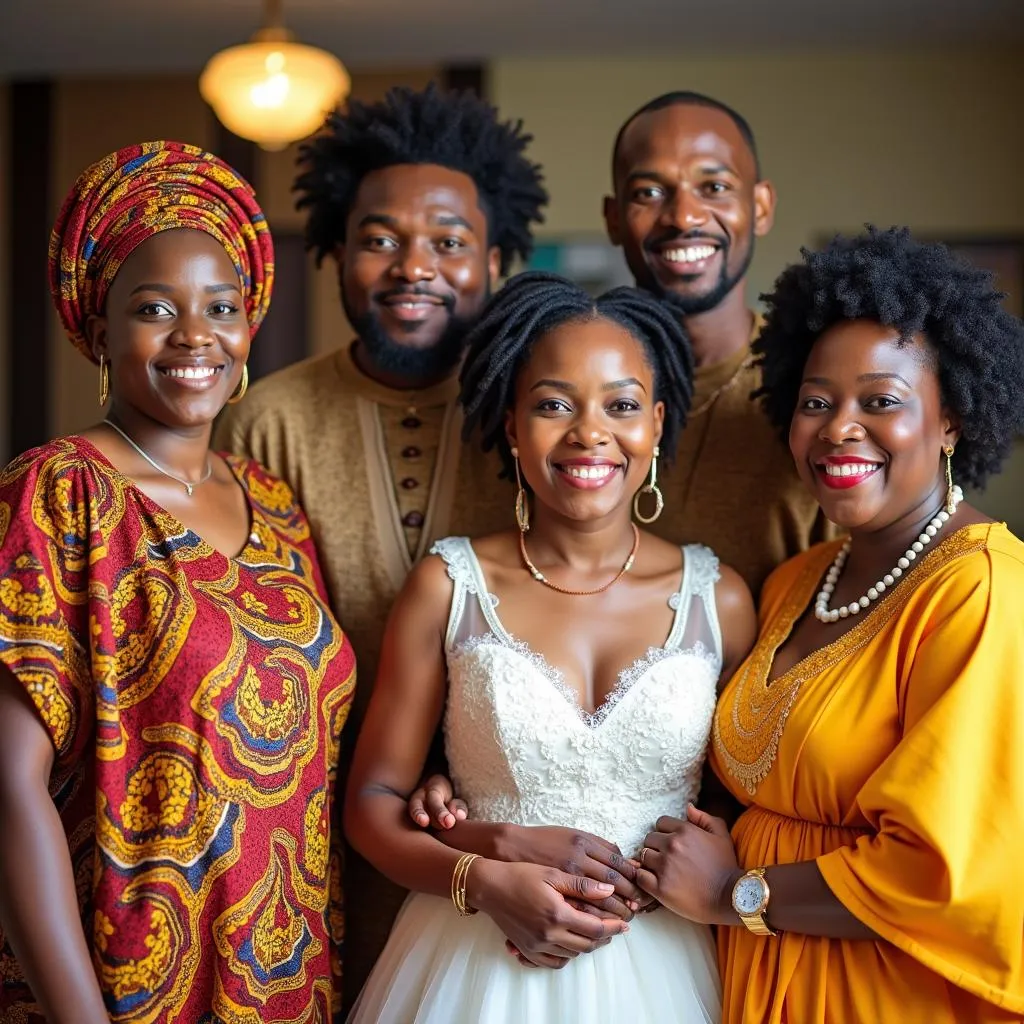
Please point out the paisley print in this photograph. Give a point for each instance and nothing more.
(196, 704)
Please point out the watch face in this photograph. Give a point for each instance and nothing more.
(748, 896)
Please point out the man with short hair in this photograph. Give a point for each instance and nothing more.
(689, 200)
(423, 201)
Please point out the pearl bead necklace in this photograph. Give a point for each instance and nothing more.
(823, 613)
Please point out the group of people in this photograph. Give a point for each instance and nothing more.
(689, 680)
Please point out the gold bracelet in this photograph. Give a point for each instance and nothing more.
(459, 876)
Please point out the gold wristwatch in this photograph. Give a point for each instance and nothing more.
(750, 897)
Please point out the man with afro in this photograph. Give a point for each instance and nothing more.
(422, 202)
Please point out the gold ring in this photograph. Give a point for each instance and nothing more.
(643, 853)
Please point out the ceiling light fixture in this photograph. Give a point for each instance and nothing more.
(273, 90)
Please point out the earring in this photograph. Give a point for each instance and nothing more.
(104, 380)
(650, 488)
(522, 498)
(242, 387)
(947, 450)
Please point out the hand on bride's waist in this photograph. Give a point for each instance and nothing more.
(570, 850)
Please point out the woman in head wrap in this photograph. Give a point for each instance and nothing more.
(172, 682)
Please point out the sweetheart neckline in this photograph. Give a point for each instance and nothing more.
(625, 680)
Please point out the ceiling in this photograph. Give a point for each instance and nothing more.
(47, 37)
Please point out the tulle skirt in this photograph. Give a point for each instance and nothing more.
(439, 968)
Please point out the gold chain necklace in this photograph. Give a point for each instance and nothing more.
(541, 578)
(189, 485)
(721, 389)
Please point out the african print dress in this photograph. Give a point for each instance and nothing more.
(195, 703)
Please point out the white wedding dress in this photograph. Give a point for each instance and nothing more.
(521, 750)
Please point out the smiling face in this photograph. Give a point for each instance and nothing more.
(415, 268)
(174, 329)
(687, 204)
(870, 425)
(585, 420)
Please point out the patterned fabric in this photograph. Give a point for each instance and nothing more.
(132, 194)
(196, 703)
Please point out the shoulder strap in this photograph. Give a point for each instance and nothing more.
(465, 572)
(700, 574)
(456, 555)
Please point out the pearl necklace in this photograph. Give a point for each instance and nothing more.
(823, 613)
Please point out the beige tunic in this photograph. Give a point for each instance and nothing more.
(733, 486)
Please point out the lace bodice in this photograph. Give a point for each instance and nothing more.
(522, 750)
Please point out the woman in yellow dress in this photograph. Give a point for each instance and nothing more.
(876, 732)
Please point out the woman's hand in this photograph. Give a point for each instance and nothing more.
(530, 905)
(690, 866)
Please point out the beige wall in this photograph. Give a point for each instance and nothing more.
(935, 141)
(4, 267)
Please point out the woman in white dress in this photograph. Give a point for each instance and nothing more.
(575, 663)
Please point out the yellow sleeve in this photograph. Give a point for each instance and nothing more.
(940, 878)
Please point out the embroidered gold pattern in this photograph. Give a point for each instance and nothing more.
(749, 721)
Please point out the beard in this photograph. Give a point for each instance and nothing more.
(690, 305)
(410, 361)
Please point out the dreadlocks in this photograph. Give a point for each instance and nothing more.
(534, 303)
(454, 130)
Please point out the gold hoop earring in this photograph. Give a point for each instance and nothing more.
(522, 498)
(104, 380)
(947, 450)
(651, 487)
(242, 387)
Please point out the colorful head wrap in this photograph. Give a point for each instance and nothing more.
(136, 192)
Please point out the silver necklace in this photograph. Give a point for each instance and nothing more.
(823, 613)
(188, 485)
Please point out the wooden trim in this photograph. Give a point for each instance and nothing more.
(239, 153)
(29, 310)
(465, 78)
(283, 337)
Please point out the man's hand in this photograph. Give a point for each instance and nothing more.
(434, 804)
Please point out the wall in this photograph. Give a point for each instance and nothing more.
(935, 141)
(136, 110)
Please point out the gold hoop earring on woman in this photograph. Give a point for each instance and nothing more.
(242, 387)
(104, 380)
(651, 487)
(522, 498)
(947, 450)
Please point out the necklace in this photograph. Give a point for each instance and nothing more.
(721, 389)
(187, 484)
(823, 613)
(541, 578)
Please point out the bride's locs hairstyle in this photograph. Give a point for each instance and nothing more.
(534, 303)
(915, 288)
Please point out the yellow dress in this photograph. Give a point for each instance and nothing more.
(894, 757)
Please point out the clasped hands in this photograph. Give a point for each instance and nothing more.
(686, 864)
